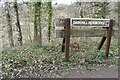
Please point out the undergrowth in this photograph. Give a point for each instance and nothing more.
(50, 60)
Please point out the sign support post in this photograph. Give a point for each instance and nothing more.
(101, 42)
(67, 38)
(109, 35)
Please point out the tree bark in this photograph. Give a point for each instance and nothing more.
(119, 27)
(37, 24)
(9, 23)
(18, 24)
(49, 20)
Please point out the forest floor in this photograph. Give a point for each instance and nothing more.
(48, 62)
(98, 71)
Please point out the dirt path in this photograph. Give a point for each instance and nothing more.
(95, 72)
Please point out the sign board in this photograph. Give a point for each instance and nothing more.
(68, 31)
(79, 22)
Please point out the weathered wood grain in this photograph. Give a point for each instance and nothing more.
(86, 33)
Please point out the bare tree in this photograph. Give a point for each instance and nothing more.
(9, 24)
(119, 25)
(37, 23)
(49, 20)
(18, 24)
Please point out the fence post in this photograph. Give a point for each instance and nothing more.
(67, 38)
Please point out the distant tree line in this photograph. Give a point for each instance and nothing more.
(38, 9)
(37, 12)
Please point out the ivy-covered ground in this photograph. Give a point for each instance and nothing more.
(48, 61)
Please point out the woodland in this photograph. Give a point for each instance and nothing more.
(29, 47)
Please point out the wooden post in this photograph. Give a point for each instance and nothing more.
(67, 38)
(63, 43)
(109, 34)
(101, 42)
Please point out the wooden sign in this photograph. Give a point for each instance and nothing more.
(105, 31)
(84, 22)
(78, 22)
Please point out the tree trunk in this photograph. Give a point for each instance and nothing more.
(39, 23)
(49, 20)
(18, 24)
(119, 26)
(28, 24)
(35, 24)
(81, 10)
(9, 23)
